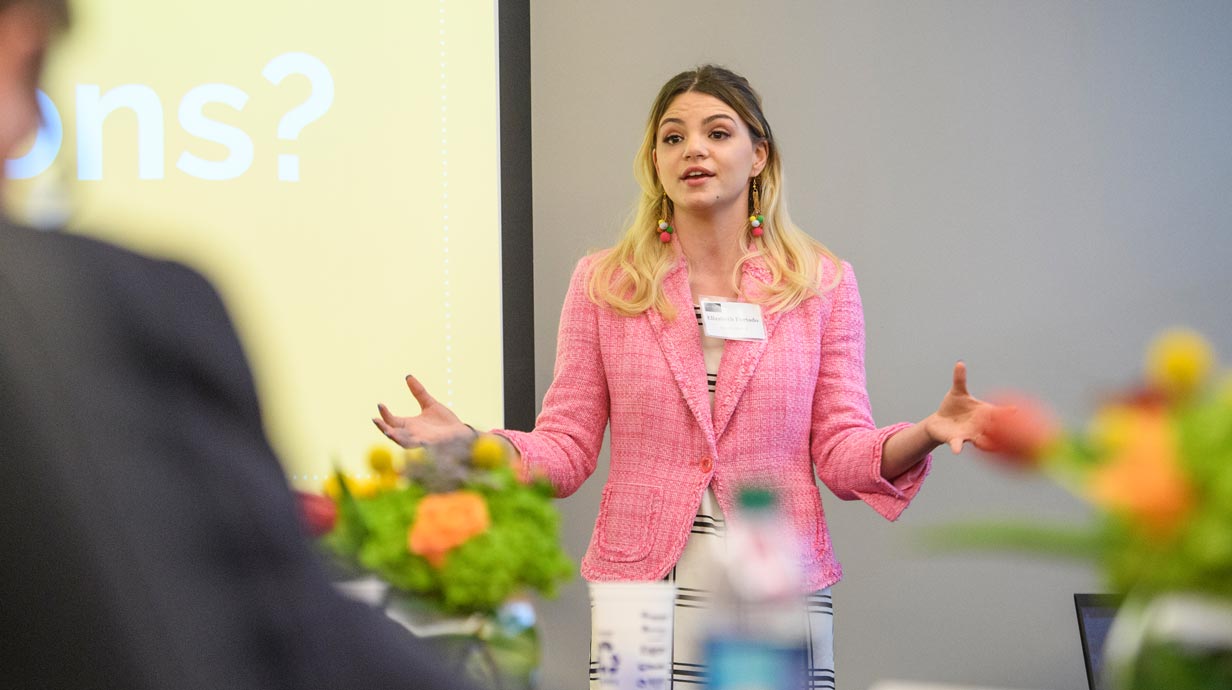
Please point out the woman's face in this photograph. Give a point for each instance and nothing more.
(705, 154)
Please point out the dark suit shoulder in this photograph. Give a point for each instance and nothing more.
(110, 308)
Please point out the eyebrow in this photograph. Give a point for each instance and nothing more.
(712, 118)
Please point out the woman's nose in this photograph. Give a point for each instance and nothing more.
(695, 148)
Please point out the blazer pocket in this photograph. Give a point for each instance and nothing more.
(801, 506)
(628, 520)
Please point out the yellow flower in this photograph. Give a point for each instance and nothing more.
(359, 488)
(445, 521)
(381, 459)
(388, 481)
(1178, 362)
(1143, 479)
(488, 452)
(331, 487)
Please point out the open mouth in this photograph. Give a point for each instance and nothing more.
(696, 175)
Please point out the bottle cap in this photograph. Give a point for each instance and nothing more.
(756, 498)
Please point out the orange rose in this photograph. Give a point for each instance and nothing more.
(1020, 431)
(444, 521)
(1143, 480)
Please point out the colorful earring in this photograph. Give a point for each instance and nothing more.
(665, 228)
(757, 219)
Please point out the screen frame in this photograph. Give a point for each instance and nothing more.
(517, 220)
(1084, 604)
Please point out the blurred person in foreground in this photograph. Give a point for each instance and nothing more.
(150, 540)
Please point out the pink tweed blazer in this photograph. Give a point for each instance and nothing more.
(783, 408)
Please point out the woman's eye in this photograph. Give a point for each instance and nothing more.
(672, 139)
(719, 134)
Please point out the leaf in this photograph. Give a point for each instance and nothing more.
(351, 530)
(1048, 540)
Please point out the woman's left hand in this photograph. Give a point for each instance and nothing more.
(961, 417)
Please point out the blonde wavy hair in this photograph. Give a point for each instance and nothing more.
(629, 278)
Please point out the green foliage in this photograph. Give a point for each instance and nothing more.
(387, 516)
(1199, 556)
(520, 548)
(349, 531)
(1171, 666)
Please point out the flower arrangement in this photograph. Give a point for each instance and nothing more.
(1155, 463)
(450, 524)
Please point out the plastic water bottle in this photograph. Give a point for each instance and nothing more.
(759, 631)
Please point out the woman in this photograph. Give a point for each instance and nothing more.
(695, 415)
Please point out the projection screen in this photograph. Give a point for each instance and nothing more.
(341, 174)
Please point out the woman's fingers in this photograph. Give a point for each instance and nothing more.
(398, 435)
(415, 430)
(387, 416)
(384, 428)
(422, 396)
(393, 427)
(960, 378)
(382, 425)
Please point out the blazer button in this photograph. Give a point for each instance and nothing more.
(707, 464)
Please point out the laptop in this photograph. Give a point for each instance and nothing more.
(1095, 614)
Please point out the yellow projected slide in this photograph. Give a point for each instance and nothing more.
(332, 167)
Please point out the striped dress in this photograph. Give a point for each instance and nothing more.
(693, 575)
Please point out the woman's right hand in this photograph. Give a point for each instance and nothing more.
(435, 423)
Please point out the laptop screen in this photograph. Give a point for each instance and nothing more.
(1095, 614)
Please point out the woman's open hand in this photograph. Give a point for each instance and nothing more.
(435, 423)
(961, 417)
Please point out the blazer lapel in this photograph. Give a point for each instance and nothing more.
(740, 357)
(681, 344)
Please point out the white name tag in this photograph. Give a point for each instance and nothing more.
(732, 320)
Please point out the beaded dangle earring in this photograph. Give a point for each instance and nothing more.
(757, 219)
(665, 227)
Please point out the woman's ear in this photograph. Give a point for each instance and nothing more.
(761, 154)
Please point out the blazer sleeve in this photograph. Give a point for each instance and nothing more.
(564, 445)
(846, 444)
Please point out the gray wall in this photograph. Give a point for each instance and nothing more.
(1035, 187)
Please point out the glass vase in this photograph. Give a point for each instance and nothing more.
(499, 651)
(1180, 641)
